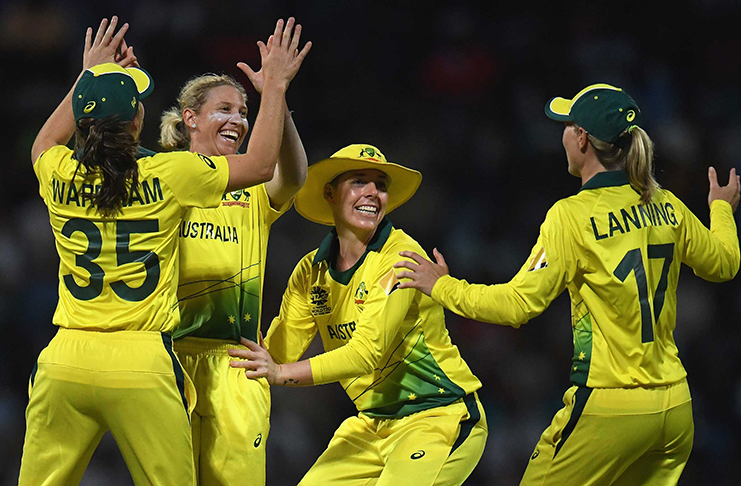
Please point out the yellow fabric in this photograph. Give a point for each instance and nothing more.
(618, 342)
(90, 382)
(416, 449)
(231, 420)
(389, 348)
(221, 296)
(121, 274)
(623, 437)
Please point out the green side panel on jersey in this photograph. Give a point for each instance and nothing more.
(582, 350)
(219, 310)
(412, 384)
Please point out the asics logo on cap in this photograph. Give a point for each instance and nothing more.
(89, 107)
(631, 115)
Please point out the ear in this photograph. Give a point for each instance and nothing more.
(328, 193)
(582, 139)
(189, 118)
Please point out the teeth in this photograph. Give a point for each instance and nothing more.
(367, 209)
(229, 134)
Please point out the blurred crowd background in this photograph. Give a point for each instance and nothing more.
(455, 90)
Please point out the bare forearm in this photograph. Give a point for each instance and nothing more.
(58, 129)
(258, 164)
(290, 174)
(294, 374)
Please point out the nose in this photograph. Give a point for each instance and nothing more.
(371, 190)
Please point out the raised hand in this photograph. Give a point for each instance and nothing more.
(280, 56)
(104, 47)
(125, 56)
(423, 274)
(730, 193)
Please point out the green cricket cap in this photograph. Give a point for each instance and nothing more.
(109, 89)
(602, 110)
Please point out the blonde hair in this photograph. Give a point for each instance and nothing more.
(633, 152)
(173, 133)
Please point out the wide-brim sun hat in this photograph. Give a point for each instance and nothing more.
(109, 89)
(310, 202)
(603, 110)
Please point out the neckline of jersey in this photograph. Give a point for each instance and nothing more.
(330, 247)
(606, 179)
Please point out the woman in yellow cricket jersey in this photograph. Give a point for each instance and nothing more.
(220, 295)
(115, 221)
(420, 421)
(617, 246)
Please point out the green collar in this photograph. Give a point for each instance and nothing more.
(330, 247)
(606, 179)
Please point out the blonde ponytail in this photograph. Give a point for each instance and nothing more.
(634, 153)
(173, 135)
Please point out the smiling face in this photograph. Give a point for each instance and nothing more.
(220, 124)
(358, 199)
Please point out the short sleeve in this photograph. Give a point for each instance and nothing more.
(196, 180)
(44, 166)
(269, 212)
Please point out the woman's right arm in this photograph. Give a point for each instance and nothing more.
(281, 60)
(714, 254)
(60, 126)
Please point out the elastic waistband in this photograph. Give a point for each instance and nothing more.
(206, 346)
(112, 336)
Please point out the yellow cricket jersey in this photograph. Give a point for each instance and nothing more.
(620, 261)
(122, 273)
(388, 347)
(222, 266)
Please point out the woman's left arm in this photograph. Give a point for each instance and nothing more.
(290, 172)
(378, 325)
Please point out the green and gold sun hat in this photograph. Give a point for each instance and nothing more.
(602, 110)
(310, 202)
(109, 89)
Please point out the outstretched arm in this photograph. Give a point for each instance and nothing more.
(281, 60)
(714, 254)
(290, 173)
(60, 126)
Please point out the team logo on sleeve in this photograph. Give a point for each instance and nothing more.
(318, 298)
(361, 294)
(539, 261)
(208, 161)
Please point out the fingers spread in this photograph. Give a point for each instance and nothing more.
(101, 32)
(110, 30)
(246, 69)
(278, 31)
(296, 37)
(118, 38)
(88, 38)
(712, 177)
(304, 52)
(287, 32)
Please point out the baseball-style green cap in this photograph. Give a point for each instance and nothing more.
(601, 109)
(108, 89)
